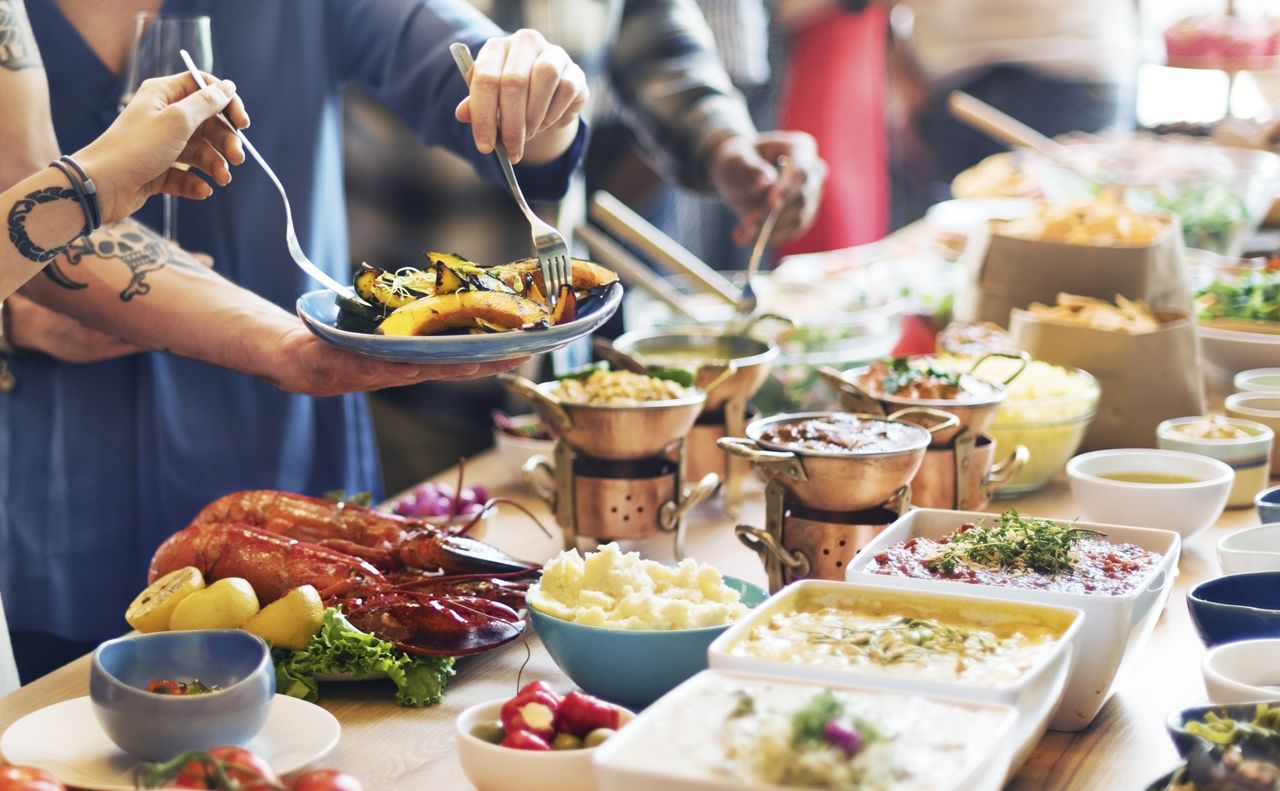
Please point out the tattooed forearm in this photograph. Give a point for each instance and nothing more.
(127, 242)
(18, 215)
(17, 46)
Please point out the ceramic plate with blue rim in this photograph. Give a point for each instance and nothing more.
(319, 311)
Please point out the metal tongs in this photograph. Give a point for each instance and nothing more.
(290, 235)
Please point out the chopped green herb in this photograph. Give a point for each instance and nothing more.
(1014, 541)
(902, 373)
(808, 725)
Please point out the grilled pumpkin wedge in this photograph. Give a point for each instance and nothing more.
(586, 275)
(434, 314)
(391, 290)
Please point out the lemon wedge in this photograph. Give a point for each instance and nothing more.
(226, 604)
(152, 609)
(290, 621)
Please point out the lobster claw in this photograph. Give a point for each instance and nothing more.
(428, 549)
(439, 626)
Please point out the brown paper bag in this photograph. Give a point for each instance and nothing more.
(1004, 272)
(1144, 378)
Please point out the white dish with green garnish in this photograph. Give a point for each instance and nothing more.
(720, 731)
(1120, 577)
(973, 647)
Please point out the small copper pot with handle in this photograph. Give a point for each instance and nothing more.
(975, 408)
(964, 476)
(840, 480)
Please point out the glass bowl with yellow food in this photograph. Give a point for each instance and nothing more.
(1048, 409)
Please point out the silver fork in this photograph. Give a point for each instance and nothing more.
(290, 235)
(552, 252)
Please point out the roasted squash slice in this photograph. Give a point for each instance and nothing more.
(566, 309)
(434, 314)
(391, 290)
(586, 275)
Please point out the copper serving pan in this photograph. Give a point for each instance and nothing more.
(619, 433)
(839, 481)
(975, 412)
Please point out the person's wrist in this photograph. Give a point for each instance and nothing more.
(103, 172)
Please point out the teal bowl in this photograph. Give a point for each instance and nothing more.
(630, 667)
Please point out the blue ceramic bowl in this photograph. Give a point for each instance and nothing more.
(1268, 503)
(158, 727)
(632, 668)
(1236, 607)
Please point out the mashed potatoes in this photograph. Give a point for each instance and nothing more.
(618, 590)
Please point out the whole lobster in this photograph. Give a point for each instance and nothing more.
(430, 591)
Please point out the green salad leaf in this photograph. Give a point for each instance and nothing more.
(339, 647)
(1254, 297)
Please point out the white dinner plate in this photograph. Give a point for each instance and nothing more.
(66, 740)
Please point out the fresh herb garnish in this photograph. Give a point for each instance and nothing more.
(1014, 541)
(901, 373)
(808, 725)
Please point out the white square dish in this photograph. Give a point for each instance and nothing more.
(1035, 693)
(682, 742)
(1114, 629)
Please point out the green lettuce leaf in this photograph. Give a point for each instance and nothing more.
(339, 647)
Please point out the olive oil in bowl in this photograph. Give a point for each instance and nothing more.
(1159, 478)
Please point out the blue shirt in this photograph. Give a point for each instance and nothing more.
(100, 463)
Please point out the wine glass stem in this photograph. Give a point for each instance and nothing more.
(170, 217)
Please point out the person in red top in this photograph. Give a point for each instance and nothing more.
(834, 89)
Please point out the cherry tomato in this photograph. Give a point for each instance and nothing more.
(28, 778)
(253, 773)
(325, 780)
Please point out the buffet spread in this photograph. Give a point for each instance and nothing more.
(745, 554)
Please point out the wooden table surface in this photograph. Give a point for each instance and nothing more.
(391, 748)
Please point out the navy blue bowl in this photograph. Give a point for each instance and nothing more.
(1236, 607)
(1268, 503)
(158, 727)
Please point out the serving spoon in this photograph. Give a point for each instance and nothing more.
(290, 235)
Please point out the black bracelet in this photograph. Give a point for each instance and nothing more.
(90, 190)
(79, 193)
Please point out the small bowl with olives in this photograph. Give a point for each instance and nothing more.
(536, 741)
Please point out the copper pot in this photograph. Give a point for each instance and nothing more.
(964, 476)
(747, 359)
(619, 433)
(976, 408)
(839, 481)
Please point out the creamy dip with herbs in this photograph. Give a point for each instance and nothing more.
(877, 637)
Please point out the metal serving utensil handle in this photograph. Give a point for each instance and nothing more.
(548, 407)
(295, 249)
(945, 420)
(782, 463)
(617, 358)
(462, 57)
(853, 398)
(730, 371)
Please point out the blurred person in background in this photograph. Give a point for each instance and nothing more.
(834, 89)
(1056, 66)
(100, 462)
(658, 79)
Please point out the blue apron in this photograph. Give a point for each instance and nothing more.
(99, 463)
